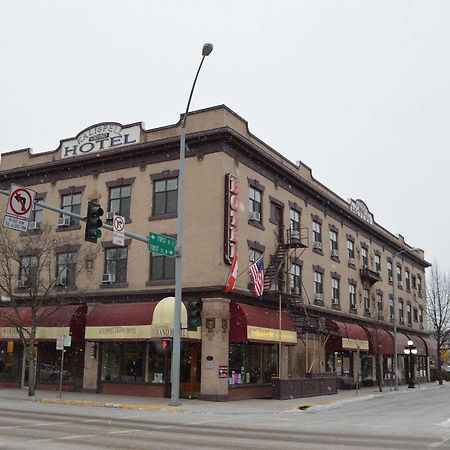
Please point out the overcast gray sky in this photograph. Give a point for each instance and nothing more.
(357, 90)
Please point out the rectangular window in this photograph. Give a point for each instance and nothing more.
(366, 295)
(380, 305)
(335, 291)
(377, 263)
(295, 279)
(317, 233)
(318, 285)
(401, 317)
(351, 251)
(415, 315)
(28, 273)
(352, 296)
(165, 196)
(116, 263)
(391, 309)
(399, 276)
(66, 269)
(413, 282)
(389, 271)
(334, 243)
(120, 200)
(407, 280)
(421, 317)
(419, 285)
(72, 203)
(37, 213)
(409, 314)
(294, 220)
(162, 268)
(364, 259)
(123, 361)
(255, 204)
(253, 256)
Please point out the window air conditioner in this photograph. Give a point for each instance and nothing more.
(364, 267)
(335, 301)
(391, 279)
(335, 253)
(108, 278)
(34, 225)
(110, 215)
(255, 216)
(64, 221)
(61, 281)
(295, 235)
(21, 283)
(351, 261)
(319, 297)
(317, 245)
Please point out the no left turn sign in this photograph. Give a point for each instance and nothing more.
(20, 201)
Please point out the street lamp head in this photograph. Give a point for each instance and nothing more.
(410, 342)
(414, 351)
(406, 351)
(207, 49)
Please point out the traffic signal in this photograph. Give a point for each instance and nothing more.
(166, 344)
(93, 222)
(194, 315)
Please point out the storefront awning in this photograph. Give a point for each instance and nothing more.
(419, 343)
(431, 345)
(51, 322)
(351, 336)
(402, 342)
(381, 342)
(250, 323)
(136, 321)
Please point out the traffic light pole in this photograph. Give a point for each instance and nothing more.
(77, 216)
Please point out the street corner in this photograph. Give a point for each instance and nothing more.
(142, 407)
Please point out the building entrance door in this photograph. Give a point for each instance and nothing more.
(190, 369)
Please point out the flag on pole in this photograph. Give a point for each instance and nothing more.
(233, 276)
(257, 273)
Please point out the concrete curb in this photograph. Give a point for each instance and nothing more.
(55, 401)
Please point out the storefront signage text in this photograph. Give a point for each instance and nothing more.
(100, 137)
(359, 208)
(270, 334)
(354, 344)
(231, 217)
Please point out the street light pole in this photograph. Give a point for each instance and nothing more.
(394, 280)
(176, 348)
(411, 351)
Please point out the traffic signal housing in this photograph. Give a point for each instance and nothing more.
(194, 315)
(93, 222)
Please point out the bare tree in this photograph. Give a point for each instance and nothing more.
(33, 285)
(438, 309)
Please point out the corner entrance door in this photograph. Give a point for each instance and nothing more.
(190, 369)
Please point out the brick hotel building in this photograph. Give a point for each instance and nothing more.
(330, 268)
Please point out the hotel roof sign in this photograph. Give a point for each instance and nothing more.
(359, 208)
(103, 136)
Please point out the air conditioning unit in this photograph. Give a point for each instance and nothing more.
(64, 221)
(335, 301)
(110, 215)
(61, 281)
(34, 225)
(335, 253)
(108, 278)
(351, 261)
(295, 235)
(255, 216)
(364, 267)
(21, 283)
(317, 245)
(318, 297)
(391, 279)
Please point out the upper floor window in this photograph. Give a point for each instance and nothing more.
(120, 200)
(407, 280)
(401, 317)
(351, 251)
(399, 275)
(334, 243)
(364, 259)
(165, 196)
(380, 304)
(255, 204)
(413, 281)
(335, 291)
(66, 269)
(295, 279)
(72, 203)
(389, 271)
(421, 316)
(317, 233)
(377, 263)
(116, 264)
(318, 285)
(409, 313)
(415, 315)
(37, 213)
(366, 295)
(294, 220)
(28, 272)
(419, 285)
(352, 296)
(391, 309)
(162, 268)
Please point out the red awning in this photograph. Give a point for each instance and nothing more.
(431, 345)
(250, 323)
(402, 342)
(120, 314)
(419, 344)
(347, 336)
(381, 339)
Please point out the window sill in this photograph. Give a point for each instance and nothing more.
(367, 314)
(65, 288)
(258, 225)
(319, 252)
(336, 307)
(318, 302)
(335, 258)
(113, 285)
(71, 228)
(163, 216)
(353, 311)
(160, 282)
(352, 266)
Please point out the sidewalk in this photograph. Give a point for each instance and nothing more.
(187, 405)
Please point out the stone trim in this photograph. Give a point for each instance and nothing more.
(254, 183)
(335, 275)
(256, 245)
(164, 175)
(68, 248)
(296, 260)
(317, 219)
(333, 227)
(295, 206)
(72, 190)
(352, 281)
(319, 269)
(276, 201)
(350, 238)
(120, 182)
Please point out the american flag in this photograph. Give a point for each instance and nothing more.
(257, 273)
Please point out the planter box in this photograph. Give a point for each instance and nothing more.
(311, 385)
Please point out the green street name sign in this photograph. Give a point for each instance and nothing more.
(161, 245)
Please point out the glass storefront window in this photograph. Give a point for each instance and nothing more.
(156, 361)
(252, 363)
(340, 363)
(10, 360)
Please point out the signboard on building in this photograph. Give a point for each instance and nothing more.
(231, 217)
(359, 208)
(100, 137)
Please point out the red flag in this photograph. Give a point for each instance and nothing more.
(233, 276)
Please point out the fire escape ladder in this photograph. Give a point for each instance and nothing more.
(276, 264)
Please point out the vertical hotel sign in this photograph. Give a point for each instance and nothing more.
(231, 217)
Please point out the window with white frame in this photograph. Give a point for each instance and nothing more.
(28, 272)
(334, 243)
(352, 296)
(66, 269)
(364, 258)
(317, 233)
(255, 204)
(318, 284)
(295, 279)
(407, 280)
(366, 295)
(335, 291)
(116, 263)
(377, 263)
(389, 271)
(351, 251)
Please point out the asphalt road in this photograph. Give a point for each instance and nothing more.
(407, 420)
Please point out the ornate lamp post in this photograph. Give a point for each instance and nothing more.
(410, 350)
